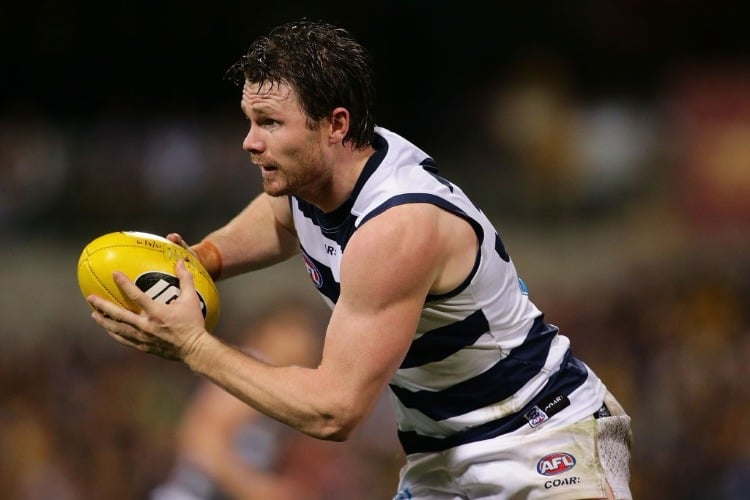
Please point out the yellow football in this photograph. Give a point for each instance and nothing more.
(149, 261)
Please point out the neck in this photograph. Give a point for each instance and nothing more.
(333, 191)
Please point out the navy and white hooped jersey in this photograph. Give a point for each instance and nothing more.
(483, 362)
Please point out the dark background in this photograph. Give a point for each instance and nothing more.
(81, 59)
(610, 142)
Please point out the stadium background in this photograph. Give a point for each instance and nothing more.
(610, 142)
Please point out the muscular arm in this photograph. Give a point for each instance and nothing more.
(390, 265)
(387, 271)
(259, 236)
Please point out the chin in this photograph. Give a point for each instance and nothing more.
(275, 190)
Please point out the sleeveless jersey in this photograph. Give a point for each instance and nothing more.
(483, 362)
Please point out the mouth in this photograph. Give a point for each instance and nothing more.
(259, 162)
(265, 168)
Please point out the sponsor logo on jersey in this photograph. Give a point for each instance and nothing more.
(163, 288)
(312, 270)
(554, 404)
(555, 463)
(561, 481)
(535, 416)
(546, 408)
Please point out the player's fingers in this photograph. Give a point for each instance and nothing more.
(132, 291)
(115, 323)
(109, 311)
(187, 285)
(141, 346)
(148, 345)
(177, 238)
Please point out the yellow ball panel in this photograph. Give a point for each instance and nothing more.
(149, 261)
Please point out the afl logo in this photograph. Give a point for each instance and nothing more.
(555, 463)
(313, 271)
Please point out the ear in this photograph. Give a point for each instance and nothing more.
(339, 120)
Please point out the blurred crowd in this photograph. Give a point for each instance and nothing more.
(93, 420)
(629, 216)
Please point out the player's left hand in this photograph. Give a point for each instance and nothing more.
(170, 331)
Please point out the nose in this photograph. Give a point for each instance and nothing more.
(252, 142)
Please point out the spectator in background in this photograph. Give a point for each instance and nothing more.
(225, 449)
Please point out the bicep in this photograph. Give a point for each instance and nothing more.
(387, 271)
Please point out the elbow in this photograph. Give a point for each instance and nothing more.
(335, 429)
(336, 425)
(336, 432)
(338, 435)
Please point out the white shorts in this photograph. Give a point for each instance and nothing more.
(571, 462)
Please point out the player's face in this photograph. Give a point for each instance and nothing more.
(281, 141)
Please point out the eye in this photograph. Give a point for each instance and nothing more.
(268, 123)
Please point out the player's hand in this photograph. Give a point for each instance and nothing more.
(205, 252)
(170, 331)
(177, 238)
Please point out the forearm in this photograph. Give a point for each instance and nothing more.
(259, 236)
(304, 398)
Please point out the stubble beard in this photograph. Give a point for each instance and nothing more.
(296, 181)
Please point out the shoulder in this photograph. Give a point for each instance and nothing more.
(420, 242)
(405, 243)
(397, 225)
(399, 240)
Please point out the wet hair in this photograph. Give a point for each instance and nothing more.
(324, 64)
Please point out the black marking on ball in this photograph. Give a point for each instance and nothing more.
(163, 288)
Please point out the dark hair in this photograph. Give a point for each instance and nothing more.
(324, 64)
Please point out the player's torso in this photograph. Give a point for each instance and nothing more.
(481, 352)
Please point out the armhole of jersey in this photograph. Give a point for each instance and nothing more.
(460, 288)
(403, 199)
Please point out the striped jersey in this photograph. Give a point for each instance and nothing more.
(483, 362)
